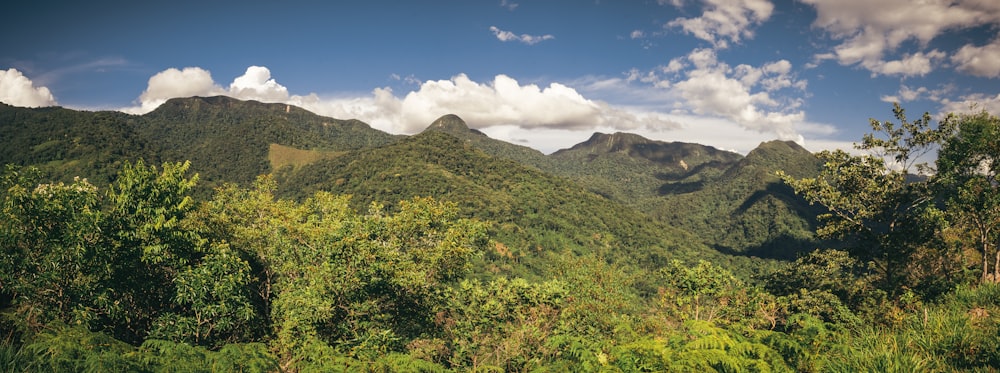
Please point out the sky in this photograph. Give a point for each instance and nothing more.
(545, 74)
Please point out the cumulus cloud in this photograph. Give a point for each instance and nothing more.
(637, 34)
(506, 36)
(255, 84)
(724, 21)
(907, 94)
(17, 90)
(972, 103)
(694, 89)
(503, 101)
(870, 30)
(510, 5)
(981, 61)
(750, 96)
(171, 83)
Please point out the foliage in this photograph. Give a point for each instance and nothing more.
(968, 167)
(536, 214)
(828, 284)
(506, 268)
(334, 280)
(503, 324)
(882, 215)
(49, 259)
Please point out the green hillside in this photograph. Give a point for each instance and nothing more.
(753, 212)
(534, 214)
(64, 143)
(314, 244)
(227, 140)
(692, 187)
(695, 187)
(636, 170)
(455, 126)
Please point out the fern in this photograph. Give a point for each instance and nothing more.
(60, 348)
(12, 357)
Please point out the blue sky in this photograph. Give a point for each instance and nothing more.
(545, 74)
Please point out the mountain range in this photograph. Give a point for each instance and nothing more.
(621, 196)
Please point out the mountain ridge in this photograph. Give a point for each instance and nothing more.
(230, 140)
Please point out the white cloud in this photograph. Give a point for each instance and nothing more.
(504, 101)
(510, 5)
(637, 34)
(870, 30)
(981, 61)
(917, 64)
(17, 90)
(256, 84)
(907, 94)
(749, 96)
(171, 83)
(725, 21)
(707, 104)
(506, 36)
(972, 103)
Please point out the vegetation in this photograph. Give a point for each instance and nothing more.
(429, 254)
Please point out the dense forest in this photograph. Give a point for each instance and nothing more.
(450, 251)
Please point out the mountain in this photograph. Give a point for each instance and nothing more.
(536, 214)
(649, 200)
(230, 139)
(227, 140)
(455, 126)
(634, 169)
(64, 143)
(749, 208)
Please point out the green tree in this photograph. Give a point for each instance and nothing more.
(338, 284)
(146, 246)
(877, 208)
(50, 259)
(968, 165)
(213, 302)
(503, 324)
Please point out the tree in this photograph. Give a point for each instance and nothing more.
(49, 253)
(145, 246)
(883, 213)
(968, 167)
(334, 282)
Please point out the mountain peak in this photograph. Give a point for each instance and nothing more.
(615, 142)
(449, 123)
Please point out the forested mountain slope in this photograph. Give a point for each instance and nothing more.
(448, 251)
(697, 188)
(634, 169)
(535, 213)
(64, 143)
(734, 203)
(228, 139)
(749, 208)
(455, 126)
(224, 138)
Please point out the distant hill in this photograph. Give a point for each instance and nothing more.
(536, 213)
(750, 210)
(229, 139)
(634, 169)
(455, 126)
(618, 195)
(226, 139)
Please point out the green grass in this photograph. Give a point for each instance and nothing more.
(280, 156)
